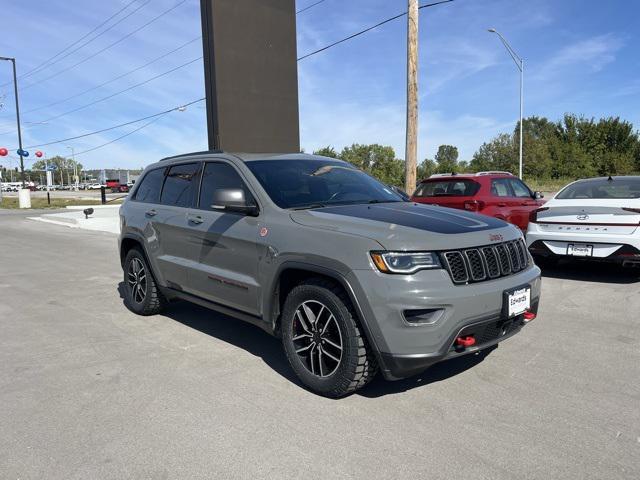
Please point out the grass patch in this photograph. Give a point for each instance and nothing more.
(547, 184)
(37, 203)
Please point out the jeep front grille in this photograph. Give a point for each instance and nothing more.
(486, 263)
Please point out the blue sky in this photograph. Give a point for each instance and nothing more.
(580, 56)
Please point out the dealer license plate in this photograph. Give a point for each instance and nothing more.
(518, 301)
(579, 250)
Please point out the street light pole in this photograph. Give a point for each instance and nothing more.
(75, 165)
(520, 64)
(15, 90)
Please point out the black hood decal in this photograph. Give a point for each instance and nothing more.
(422, 217)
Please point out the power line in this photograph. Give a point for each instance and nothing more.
(120, 125)
(100, 100)
(119, 138)
(107, 47)
(352, 36)
(74, 43)
(71, 52)
(58, 102)
(202, 99)
(82, 107)
(310, 6)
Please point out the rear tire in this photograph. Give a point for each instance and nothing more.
(142, 295)
(323, 341)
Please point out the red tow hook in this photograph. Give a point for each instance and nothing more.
(465, 341)
(528, 316)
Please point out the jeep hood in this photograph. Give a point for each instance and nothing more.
(409, 226)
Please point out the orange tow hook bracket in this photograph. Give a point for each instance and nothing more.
(465, 341)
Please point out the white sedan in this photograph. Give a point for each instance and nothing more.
(595, 218)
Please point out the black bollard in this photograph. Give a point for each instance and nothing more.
(103, 195)
(48, 199)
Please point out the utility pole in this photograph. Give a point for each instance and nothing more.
(15, 91)
(411, 147)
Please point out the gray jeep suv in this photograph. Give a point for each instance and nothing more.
(350, 275)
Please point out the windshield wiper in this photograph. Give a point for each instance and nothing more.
(385, 201)
(310, 206)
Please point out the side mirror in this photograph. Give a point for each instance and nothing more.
(233, 200)
(538, 195)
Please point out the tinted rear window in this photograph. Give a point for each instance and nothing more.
(180, 185)
(449, 188)
(602, 188)
(149, 189)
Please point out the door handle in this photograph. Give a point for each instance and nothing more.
(501, 204)
(197, 219)
(151, 213)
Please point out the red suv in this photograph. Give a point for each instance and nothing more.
(497, 194)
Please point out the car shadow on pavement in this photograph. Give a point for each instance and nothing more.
(259, 343)
(231, 330)
(380, 387)
(586, 271)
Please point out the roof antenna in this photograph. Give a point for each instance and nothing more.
(610, 179)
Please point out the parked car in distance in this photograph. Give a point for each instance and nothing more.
(496, 194)
(349, 275)
(595, 218)
(94, 186)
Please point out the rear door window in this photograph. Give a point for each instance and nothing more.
(500, 187)
(451, 188)
(180, 185)
(151, 186)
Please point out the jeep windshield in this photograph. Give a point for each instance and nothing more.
(318, 183)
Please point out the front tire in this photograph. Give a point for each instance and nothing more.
(323, 341)
(142, 295)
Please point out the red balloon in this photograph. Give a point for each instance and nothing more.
(4, 152)
(38, 154)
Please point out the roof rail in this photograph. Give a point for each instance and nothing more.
(453, 174)
(192, 154)
(494, 172)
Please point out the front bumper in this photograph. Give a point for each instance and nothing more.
(405, 347)
(490, 332)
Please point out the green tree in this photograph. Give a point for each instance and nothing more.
(447, 159)
(498, 154)
(425, 169)
(327, 151)
(378, 160)
(64, 168)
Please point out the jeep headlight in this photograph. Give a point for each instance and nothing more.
(405, 262)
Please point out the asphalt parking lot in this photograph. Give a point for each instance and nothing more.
(89, 390)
